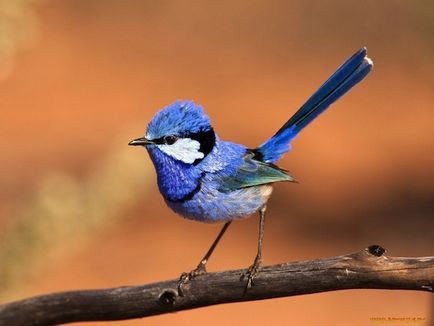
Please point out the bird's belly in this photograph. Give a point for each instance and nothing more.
(211, 205)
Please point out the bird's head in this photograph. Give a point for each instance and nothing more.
(182, 131)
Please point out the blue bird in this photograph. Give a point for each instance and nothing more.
(210, 180)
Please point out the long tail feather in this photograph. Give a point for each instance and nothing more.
(342, 80)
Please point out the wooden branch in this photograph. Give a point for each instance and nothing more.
(368, 269)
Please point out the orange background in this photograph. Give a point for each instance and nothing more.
(79, 209)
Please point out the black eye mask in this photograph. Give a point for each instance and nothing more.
(206, 140)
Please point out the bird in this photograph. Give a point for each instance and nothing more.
(206, 179)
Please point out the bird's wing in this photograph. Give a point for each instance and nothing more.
(254, 173)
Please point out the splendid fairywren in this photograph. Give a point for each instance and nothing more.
(210, 180)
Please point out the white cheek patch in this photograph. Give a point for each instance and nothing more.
(184, 149)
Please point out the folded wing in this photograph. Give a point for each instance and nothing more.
(254, 173)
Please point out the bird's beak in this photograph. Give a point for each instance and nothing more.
(142, 141)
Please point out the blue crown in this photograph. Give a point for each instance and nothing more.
(180, 118)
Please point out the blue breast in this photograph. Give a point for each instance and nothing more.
(194, 191)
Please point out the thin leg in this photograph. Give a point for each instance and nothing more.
(205, 258)
(201, 267)
(253, 269)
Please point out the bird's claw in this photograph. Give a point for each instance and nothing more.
(185, 277)
(251, 274)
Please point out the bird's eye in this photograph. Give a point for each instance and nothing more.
(169, 140)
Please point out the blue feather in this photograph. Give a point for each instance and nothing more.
(342, 80)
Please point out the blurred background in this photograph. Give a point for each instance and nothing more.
(80, 209)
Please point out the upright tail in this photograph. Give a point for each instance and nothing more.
(342, 80)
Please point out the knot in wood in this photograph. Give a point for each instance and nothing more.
(376, 250)
(167, 297)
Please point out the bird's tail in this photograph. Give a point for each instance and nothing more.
(342, 80)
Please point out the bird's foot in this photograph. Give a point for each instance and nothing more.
(251, 273)
(186, 277)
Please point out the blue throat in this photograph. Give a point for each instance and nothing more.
(177, 181)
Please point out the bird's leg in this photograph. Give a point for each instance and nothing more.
(201, 267)
(253, 269)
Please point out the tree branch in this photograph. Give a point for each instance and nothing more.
(368, 269)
